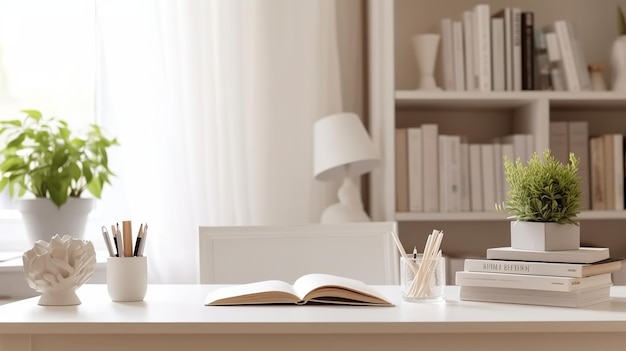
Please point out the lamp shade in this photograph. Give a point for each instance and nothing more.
(342, 148)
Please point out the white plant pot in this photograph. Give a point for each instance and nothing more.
(43, 219)
(544, 236)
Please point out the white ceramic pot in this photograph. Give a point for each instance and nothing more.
(618, 64)
(43, 219)
(544, 236)
(425, 46)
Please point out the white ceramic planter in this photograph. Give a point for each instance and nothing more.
(544, 236)
(43, 219)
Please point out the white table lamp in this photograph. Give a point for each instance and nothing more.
(342, 150)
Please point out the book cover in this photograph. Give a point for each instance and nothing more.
(476, 178)
(577, 270)
(581, 255)
(531, 282)
(402, 170)
(578, 143)
(528, 50)
(567, 54)
(581, 298)
(430, 158)
(315, 287)
(416, 198)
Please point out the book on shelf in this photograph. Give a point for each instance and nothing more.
(402, 170)
(482, 18)
(498, 164)
(458, 53)
(576, 270)
(309, 288)
(447, 54)
(476, 178)
(465, 177)
(507, 16)
(531, 282)
(543, 80)
(468, 42)
(616, 167)
(581, 298)
(517, 47)
(488, 177)
(507, 150)
(578, 143)
(580, 255)
(558, 141)
(528, 50)
(415, 169)
(557, 75)
(430, 159)
(609, 172)
(564, 40)
(596, 173)
(498, 66)
(518, 141)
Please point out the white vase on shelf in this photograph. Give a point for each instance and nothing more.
(425, 46)
(618, 64)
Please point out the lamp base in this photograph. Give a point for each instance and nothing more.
(341, 213)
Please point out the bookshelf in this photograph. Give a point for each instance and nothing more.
(481, 116)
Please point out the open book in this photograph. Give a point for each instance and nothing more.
(314, 288)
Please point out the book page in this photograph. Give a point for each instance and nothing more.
(335, 289)
(263, 292)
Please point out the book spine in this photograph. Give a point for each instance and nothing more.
(609, 172)
(567, 56)
(528, 50)
(430, 158)
(468, 41)
(476, 182)
(557, 77)
(444, 179)
(498, 69)
(465, 178)
(578, 143)
(402, 170)
(454, 145)
(523, 267)
(458, 53)
(498, 172)
(618, 171)
(488, 174)
(582, 255)
(516, 14)
(596, 153)
(447, 52)
(507, 150)
(559, 141)
(530, 282)
(483, 45)
(416, 202)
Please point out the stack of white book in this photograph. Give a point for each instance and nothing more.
(567, 278)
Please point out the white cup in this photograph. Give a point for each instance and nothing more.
(127, 278)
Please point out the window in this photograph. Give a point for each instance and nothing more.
(47, 62)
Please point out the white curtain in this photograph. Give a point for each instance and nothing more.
(213, 103)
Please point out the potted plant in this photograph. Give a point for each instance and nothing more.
(43, 157)
(544, 200)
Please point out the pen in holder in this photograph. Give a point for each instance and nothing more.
(127, 278)
(423, 279)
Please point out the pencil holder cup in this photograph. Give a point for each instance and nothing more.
(423, 280)
(127, 278)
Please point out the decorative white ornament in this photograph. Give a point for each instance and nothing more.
(425, 46)
(618, 64)
(58, 268)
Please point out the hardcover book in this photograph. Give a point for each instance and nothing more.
(581, 255)
(581, 298)
(543, 268)
(531, 282)
(309, 288)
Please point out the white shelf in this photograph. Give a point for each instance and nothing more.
(495, 216)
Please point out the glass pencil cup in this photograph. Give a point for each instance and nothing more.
(127, 278)
(423, 280)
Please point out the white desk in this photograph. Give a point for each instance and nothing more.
(173, 317)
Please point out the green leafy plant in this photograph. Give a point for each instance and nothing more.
(544, 190)
(43, 157)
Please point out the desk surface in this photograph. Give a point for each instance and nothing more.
(176, 309)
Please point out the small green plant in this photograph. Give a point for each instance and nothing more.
(42, 156)
(544, 190)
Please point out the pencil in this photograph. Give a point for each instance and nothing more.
(138, 241)
(127, 232)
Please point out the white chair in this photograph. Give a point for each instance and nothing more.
(243, 254)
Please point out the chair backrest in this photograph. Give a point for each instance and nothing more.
(244, 254)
